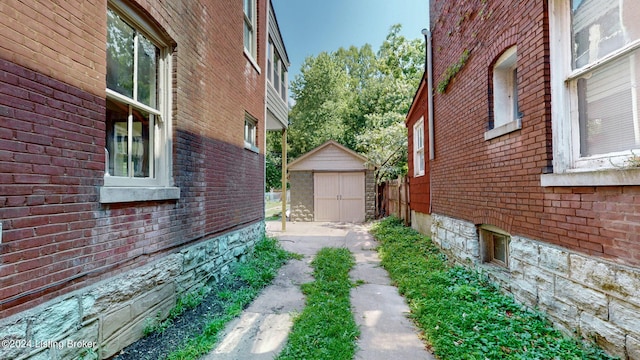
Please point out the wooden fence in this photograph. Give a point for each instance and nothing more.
(393, 199)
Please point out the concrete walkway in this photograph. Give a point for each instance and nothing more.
(262, 329)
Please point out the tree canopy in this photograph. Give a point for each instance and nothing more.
(359, 98)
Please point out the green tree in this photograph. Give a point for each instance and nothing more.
(360, 99)
(273, 161)
(322, 101)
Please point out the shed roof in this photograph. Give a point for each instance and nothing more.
(330, 156)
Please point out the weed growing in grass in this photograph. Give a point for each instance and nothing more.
(463, 315)
(326, 328)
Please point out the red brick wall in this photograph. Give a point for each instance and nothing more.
(57, 237)
(498, 181)
(419, 186)
(65, 40)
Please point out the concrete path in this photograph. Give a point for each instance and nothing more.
(262, 329)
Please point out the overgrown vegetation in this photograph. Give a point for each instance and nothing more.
(452, 71)
(189, 301)
(462, 315)
(256, 273)
(206, 313)
(326, 328)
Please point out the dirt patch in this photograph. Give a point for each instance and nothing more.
(188, 325)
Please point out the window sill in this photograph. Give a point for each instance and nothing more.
(252, 60)
(503, 129)
(251, 147)
(616, 177)
(110, 195)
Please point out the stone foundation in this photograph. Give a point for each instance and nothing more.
(584, 295)
(98, 321)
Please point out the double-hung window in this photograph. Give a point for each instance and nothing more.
(595, 71)
(137, 148)
(250, 133)
(270, 61)
(276, 71)
(249, 27)
(418, 148)
(283, 82)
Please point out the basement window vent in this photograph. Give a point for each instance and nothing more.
(494, 245)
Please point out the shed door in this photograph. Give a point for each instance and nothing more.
(339, 197)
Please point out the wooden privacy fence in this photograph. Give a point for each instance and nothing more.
(393, 198)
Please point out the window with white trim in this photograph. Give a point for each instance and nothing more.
(250, 132)
(595, 69)
(277, 63)
(506, 112)
(249, 7)
(137, 148)
(276, 71)
(418, 148)
(270, 49)
(283, 81)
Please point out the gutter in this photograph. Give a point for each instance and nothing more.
(429, 71)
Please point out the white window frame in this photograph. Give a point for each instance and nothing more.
(250, 133)
(284, 81)
(160, 185)
(506, 113)
(569, 169)
(270, 53)
(250, 23)
(277, 74)
(418, 148)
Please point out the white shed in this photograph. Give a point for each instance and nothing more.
(332, 183)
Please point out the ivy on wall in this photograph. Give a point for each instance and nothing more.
(452, 71)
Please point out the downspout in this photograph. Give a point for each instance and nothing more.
(429, 71)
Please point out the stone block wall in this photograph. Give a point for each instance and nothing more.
(582, 294)
(301, 195)
(369, 195)
(99, 320)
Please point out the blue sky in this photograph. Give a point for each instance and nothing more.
(309, 27)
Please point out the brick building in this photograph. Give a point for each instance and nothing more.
(417, 122)
(533, 168)
(131, 159)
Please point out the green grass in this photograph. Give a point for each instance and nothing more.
(257, 272)
(326, 328)
(463, 315)
(272, 210)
